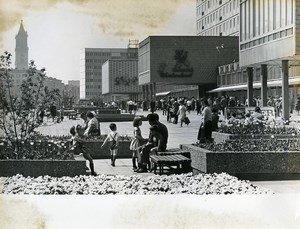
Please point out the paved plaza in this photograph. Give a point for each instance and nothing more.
(177, 135)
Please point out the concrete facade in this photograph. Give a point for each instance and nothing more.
(183, 60)
(120, 80)
(217, 18)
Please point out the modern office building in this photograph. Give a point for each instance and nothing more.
(269, 53)
(120, 80)
(183, 60)
(217, 17)
(91, 60)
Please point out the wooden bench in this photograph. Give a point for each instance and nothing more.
(168, 160)
(175, 151)
(72, 115)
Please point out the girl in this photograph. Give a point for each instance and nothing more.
(137, 141)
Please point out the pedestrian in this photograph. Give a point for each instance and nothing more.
(205, 129)
(175, 110)
(182, 113)
(136, 142)
(79, 147)
(62, 113)
(152, 106)
(298, 105)
(53, 112)
(215, 119)
(113, 139)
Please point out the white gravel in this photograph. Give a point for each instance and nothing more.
(107, 184)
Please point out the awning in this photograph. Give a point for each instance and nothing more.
(239, 87)
(165, 93)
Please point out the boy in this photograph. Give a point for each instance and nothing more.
(113, 138)
(78, 146)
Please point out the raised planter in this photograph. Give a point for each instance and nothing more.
(246, 165)
(221, 137)
(35, 168)
(97, 152)
(117, 117)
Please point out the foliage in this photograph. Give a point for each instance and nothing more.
(38, 150)
(254, 145)
(19, 115)
(240, 129)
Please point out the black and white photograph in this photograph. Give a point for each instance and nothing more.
(149, 114)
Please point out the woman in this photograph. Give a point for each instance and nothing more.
(182, 112)
(205, 129)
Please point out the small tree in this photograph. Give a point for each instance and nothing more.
(19, 114)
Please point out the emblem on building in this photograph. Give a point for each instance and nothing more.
(181, 68)
(123, 80)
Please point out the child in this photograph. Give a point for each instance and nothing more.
(137, 141)
(113, 138)
(157, 138)
(78, 145)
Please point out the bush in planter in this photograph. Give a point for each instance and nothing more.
(38, 150)
(240, 145)
(240, 129)
(19, 115)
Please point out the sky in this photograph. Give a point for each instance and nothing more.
(59, 29)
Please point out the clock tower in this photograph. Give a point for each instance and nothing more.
(21, 49)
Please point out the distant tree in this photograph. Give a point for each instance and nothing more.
(19, 115)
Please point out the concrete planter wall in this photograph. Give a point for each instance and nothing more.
(35, 168)
(221, 137)
(246, 165)
(96, 152)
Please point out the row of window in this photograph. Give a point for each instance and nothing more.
(93, 80)
(268, 38)
(241, 77)
(93, 86)
(259, 17)
(228, 27)
(101, 61)
(213, 5)
(93, 93)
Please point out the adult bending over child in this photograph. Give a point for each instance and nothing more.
(157, 141)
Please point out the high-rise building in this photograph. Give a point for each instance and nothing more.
(91, 60)
(217, 17)
(21, 61)
(269, 51)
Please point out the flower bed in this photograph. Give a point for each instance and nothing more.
(252, 165)
(228, 132)
(42, 147)
(258, 129)
(106, 184)
(257, 145)
(35, 168)
(38, 149)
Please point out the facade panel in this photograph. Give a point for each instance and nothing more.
(186, 59)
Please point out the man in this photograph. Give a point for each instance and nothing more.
(153, 120)
(176, 109)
